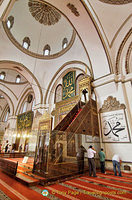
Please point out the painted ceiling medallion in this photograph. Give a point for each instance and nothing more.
(43, 13)
(116, 2)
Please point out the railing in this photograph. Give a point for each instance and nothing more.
(8, 166)
(12, 155)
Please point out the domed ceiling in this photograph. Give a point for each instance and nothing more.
(116, 2)
(51, 28)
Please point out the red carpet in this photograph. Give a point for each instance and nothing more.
(104, 186)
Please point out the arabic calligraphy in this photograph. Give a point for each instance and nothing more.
(68, 85)
(114, 127)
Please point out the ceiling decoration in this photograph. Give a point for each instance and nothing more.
(73, 9)
(1, 2)
(116, 2)
(43, 13)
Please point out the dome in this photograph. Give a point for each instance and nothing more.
(52, 29)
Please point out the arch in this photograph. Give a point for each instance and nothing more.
(97, 38)
(62, 71)
(22, 100)
(120, 50)
(57, 92)
(29, 76)
(4, 113)
(8, 99)
(77, 85)
(129, 52)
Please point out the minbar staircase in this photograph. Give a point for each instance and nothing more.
(82, 119)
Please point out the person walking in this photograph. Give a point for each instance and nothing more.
(91, 161)
(102, 160)
(116, 160)
(80, 159)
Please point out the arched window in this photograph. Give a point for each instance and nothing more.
(46, 50)
(26, 43)
(64, 43)
(30, 98)
(2, 75)
(24, 107)
(7, 114)
(79, 77)
(6, 117)
(18, 79)
(10, 22)
(58, 93)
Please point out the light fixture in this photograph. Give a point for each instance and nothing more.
(18, 135)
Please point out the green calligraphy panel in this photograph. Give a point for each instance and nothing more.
(68, 85)
(24, 120)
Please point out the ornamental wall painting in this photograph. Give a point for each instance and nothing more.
(114, 125)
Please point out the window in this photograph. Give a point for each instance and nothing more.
(7, 114)
(24, 107)
(58, 93)
(26, 43)
(30, 98)
(18, 79)
(10, 22)
(6, 117)
(46, 50)
(2, 75)
(64, 43)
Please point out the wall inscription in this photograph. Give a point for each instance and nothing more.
(114, 126)
(68, 85)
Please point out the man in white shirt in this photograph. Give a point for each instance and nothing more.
(91, 161)
(116, 160)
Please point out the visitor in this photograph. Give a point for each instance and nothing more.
(91, 161)
(102, 160)
(116, 160)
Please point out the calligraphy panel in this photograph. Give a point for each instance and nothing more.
(114, 126)
(24, 120)
(68, 85)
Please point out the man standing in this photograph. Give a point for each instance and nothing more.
(91, 161)
(102, 160)
(116, 163)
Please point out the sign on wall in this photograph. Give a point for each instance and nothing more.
(113, 122)
(68, 85)
(114, 127)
